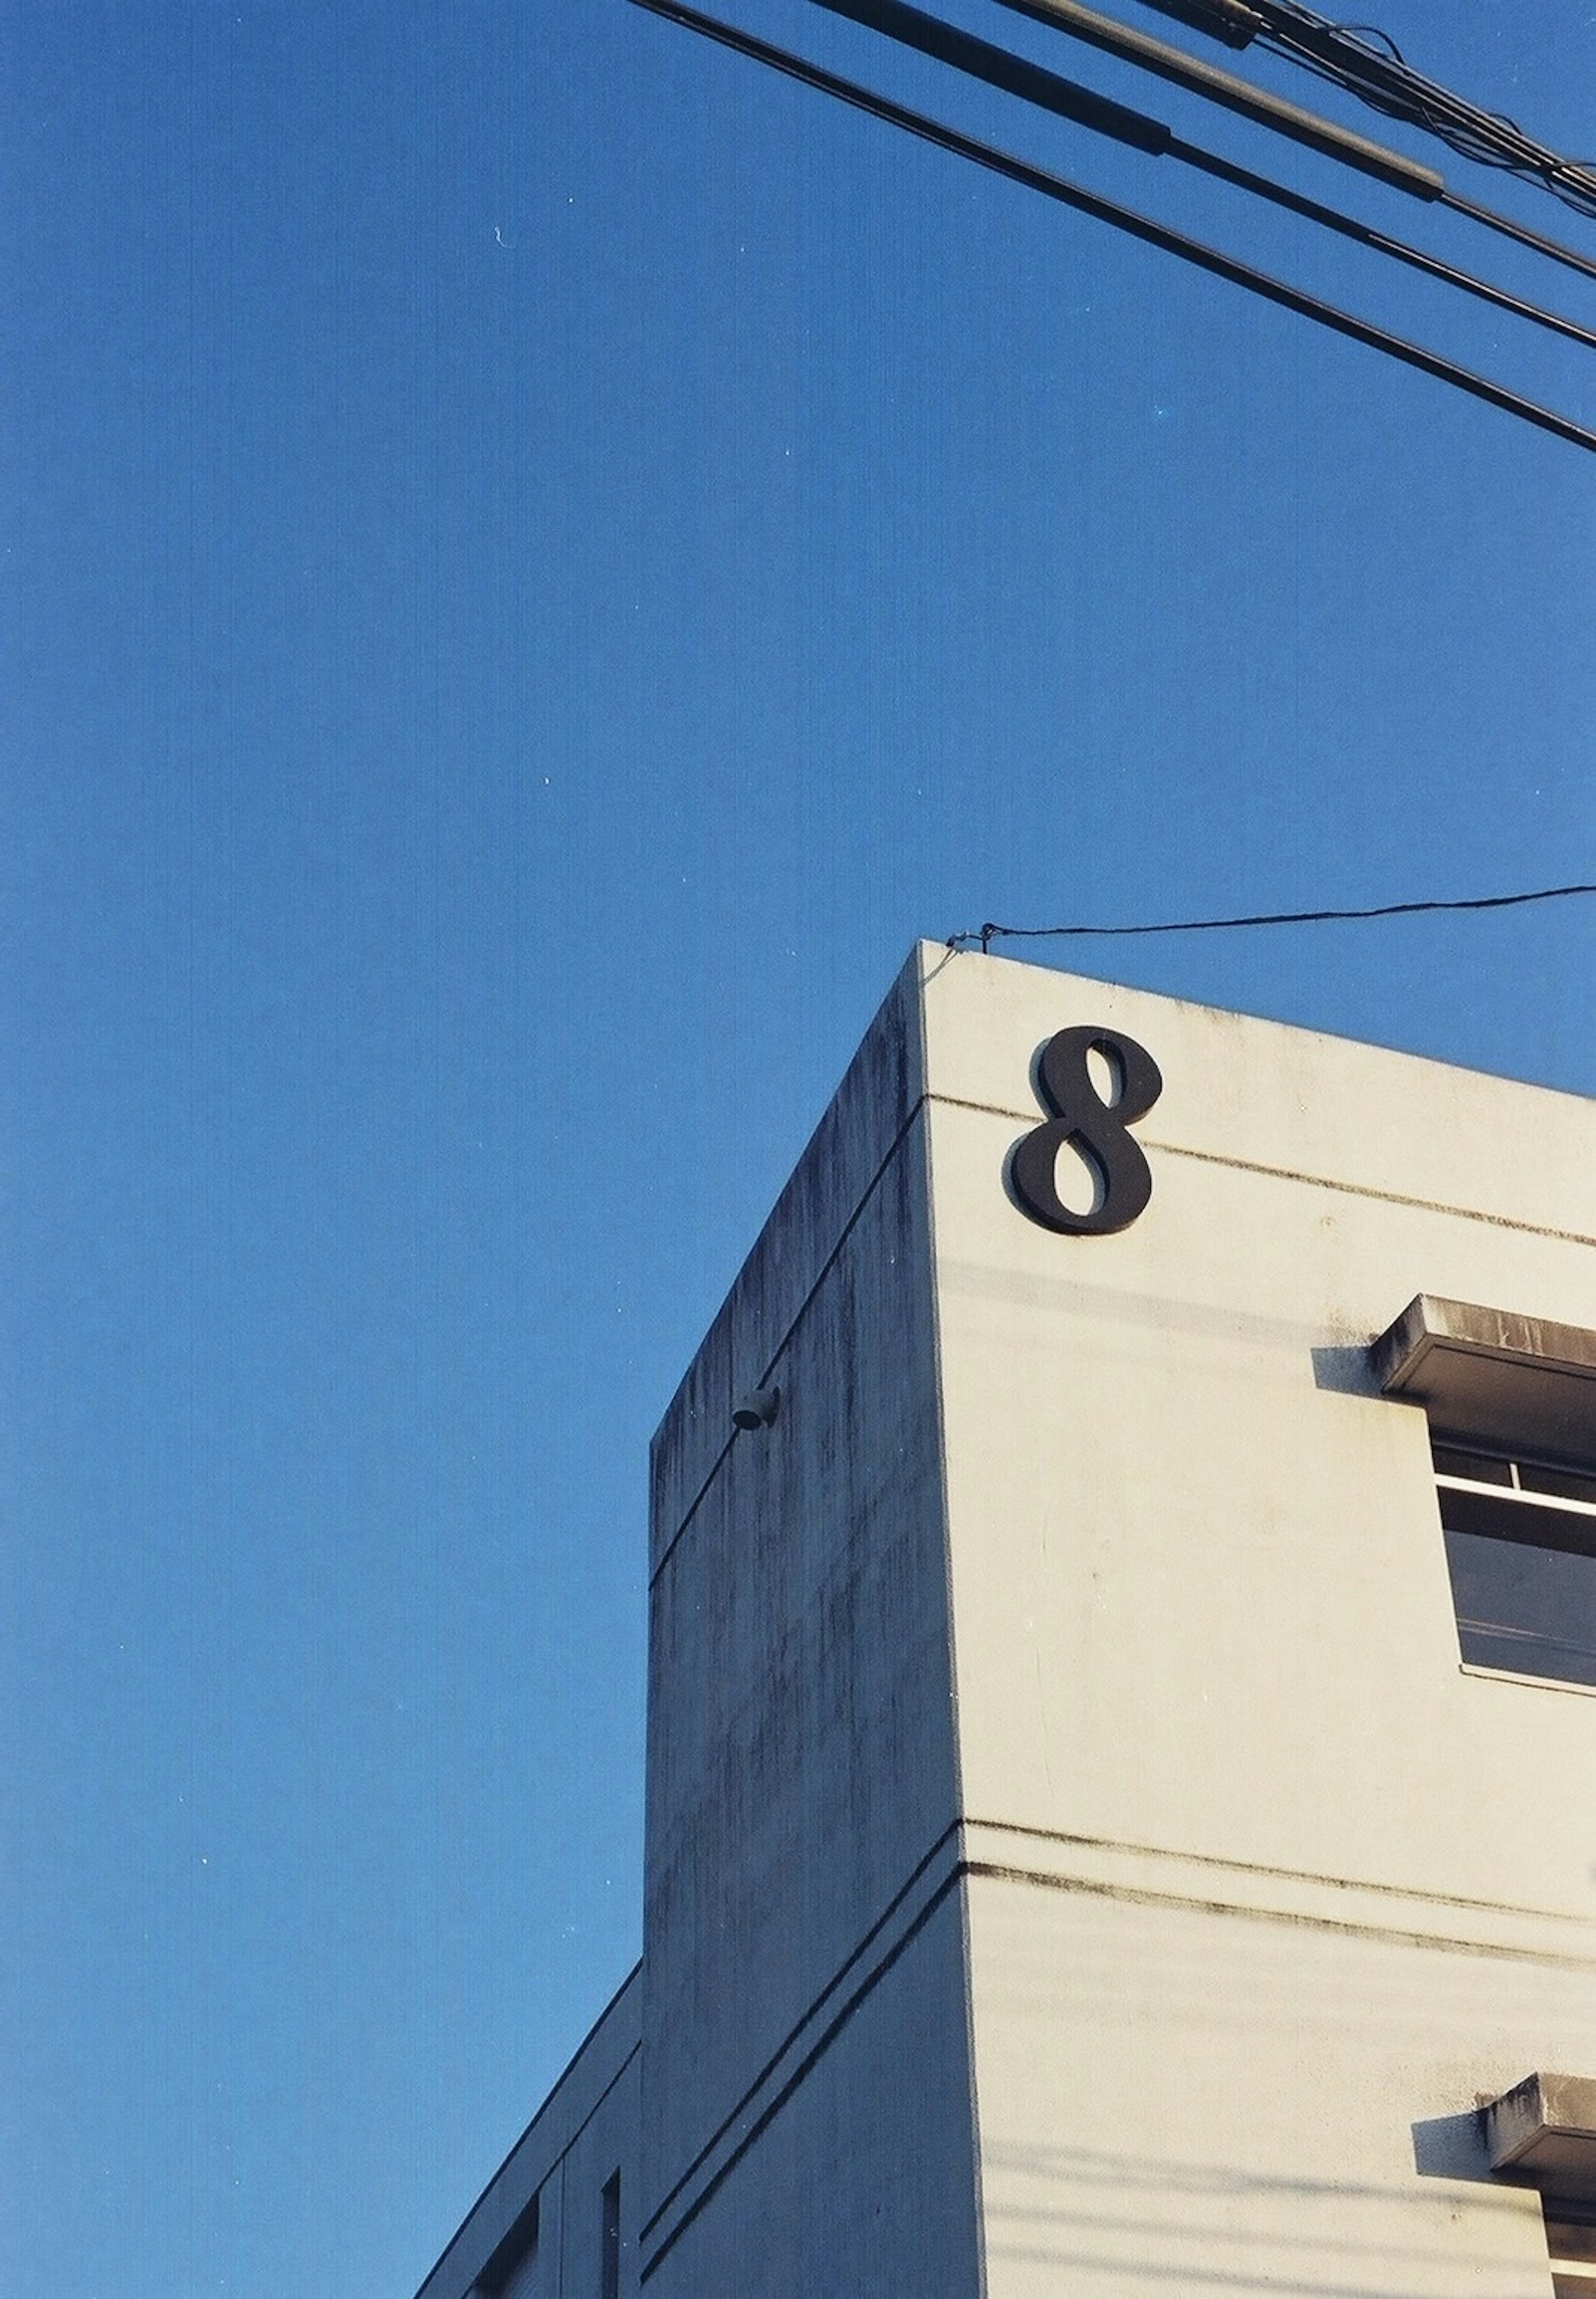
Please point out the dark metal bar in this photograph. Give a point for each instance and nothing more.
(1000, 68)
(1127, 219)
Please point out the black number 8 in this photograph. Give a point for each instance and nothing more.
(1095, 1127)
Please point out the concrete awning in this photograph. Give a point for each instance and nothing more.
(1544, 2131)
(1520, 1382)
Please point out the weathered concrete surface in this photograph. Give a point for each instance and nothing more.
(1180, 1511)
(875, 1101)
(1259, 1094)
(1523, 1382)
(800, 1735)
(861, 2184)
(1545, 2128)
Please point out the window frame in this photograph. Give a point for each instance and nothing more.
(1517, 1515)
(1573, 2265)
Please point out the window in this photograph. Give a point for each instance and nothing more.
(610, 2272)
(1571, 2239)
(516, 2251)
(1521, 1546)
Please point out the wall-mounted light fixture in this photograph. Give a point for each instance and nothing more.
(757, 1410)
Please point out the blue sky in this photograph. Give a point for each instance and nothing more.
(541, 559)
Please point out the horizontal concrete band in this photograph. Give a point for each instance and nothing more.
(1302, 1175)
(1267, 1097)
(667, 1537)
(1000, 1852)
(1140, 1873)
(912, 1907)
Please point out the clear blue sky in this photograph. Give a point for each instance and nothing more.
(540, 559)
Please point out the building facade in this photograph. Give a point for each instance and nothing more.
(1121, 1750)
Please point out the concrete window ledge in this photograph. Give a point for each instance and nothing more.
(1518, 1382)
(1543, 2132)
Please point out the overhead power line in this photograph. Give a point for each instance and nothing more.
(989, 934)
(1240, 96)
(931, 36)
(1370, 65)
(1125, 219)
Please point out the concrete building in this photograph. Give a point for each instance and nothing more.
(1121, 1743)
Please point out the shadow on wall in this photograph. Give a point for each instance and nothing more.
(1453, 2148)
(1346, 1370)
(1224, 2227)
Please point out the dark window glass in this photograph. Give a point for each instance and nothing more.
(610, 2276)
(1568, 1484)
(1530, 1610)
(1484, 1468)
(1571, 2241)
(518, 2247)
(1509, 1517)
(1521, 1544)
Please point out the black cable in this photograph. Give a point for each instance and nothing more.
(1456, 123)
(1508, 229)
(1017, 76)
(1401, 251)
(989, 932)
(1230, 20)
(1368, 64)
(1127, 219)
(1105, 32)
(1382, 77)
(933, 36)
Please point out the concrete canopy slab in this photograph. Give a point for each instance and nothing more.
(1544, 2131)
(1490, 1374)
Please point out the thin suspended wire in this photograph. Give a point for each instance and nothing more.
(1401, 251)
(989, 932)
(1383, 78)
(1508, 229)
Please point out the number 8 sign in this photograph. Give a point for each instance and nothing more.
(1093, 1127)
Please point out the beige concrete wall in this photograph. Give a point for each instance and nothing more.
(1173, 2100)
(1200, 1594)
(1219, 1753)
